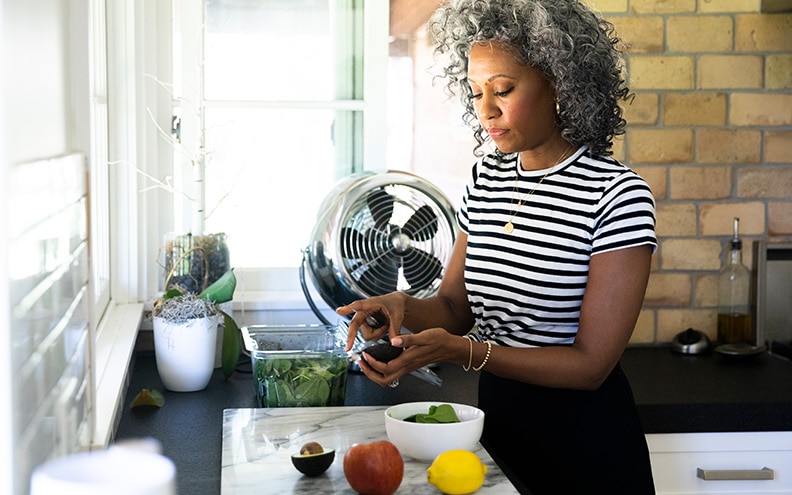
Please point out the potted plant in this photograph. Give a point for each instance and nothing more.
(185, 335)
(198, 277)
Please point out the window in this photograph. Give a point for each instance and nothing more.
(291, 99)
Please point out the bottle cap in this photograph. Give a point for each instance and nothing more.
(736, 243)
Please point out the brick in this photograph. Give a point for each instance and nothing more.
(763, 33)
(779, 218)
(700, 182)
(655, 262)
(699, 33)
(778, 71)
(706, 291)
(672, 321)
(699, 108)
(642, 110)
(641, 34)
(644, 331)
(728, 146)
(778, 147)
(660, 145)
(661, 72)
(717, 219)
(676, 219)
(662, 6)
(730, 71)
(617, 6)
(761, 109)
(765, 182)
(656, 178)
(690, 254)
(747, 251)
(711, 6)
(668, 289)
(618, 148)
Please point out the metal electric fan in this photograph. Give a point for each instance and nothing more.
(377, 233)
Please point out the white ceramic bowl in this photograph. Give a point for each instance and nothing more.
(424, 442)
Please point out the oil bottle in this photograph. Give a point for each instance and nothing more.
(734, 304)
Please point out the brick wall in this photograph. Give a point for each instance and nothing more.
(711, 130)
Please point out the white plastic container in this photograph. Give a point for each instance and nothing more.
(298, 365)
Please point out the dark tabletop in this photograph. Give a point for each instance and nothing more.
(674, 394)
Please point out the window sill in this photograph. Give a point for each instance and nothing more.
(114, 345)
(270, 301)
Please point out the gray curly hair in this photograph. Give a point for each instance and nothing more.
(574, 47)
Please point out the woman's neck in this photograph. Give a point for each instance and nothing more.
(546, 156)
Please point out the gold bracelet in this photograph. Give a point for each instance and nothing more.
(470, 359)
(486, 358)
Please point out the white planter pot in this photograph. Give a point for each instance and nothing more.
(185, 352)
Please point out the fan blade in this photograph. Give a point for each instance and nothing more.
(380, 204)
(421, 268)
(422, 225)
(380, 277)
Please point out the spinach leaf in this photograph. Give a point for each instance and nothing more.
(444, 413)
(301, 382)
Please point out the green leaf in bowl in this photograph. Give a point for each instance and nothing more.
(444, 413)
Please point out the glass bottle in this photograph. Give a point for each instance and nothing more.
(734, 304)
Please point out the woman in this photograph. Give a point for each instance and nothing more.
(551, 264)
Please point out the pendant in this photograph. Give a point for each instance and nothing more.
(509, 227)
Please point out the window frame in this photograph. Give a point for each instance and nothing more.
(261, 287)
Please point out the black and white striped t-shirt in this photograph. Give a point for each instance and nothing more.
(526, 288)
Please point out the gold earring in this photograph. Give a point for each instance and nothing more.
(558, 108)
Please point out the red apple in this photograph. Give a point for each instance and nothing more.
(374, 468)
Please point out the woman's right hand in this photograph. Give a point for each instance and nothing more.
(387, 309)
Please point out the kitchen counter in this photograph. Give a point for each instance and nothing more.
(709, 393)
(674, 394)
(257, 441)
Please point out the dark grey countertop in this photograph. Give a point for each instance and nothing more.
(674, 394)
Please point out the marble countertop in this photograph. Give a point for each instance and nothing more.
(258, 444)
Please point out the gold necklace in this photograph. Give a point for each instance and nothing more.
(509, 226)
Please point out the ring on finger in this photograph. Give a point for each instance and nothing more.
(394, 383)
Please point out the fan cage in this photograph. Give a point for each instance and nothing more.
(380, 257)
(378, 233)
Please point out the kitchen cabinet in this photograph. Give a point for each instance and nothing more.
(736, 462)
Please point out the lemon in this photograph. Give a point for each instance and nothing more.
(457, 472)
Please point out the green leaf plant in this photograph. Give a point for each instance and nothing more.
(221, 291)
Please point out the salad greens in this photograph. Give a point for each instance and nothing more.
(444, 413)
(302, 382)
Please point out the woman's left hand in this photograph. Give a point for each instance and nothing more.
(429, 346)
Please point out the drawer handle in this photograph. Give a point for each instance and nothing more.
(735, 474)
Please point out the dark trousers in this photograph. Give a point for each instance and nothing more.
(560, 441)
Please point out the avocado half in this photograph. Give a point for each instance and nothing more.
(383, 351)
(313, 460)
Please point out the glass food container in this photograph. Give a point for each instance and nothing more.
(298, 365)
